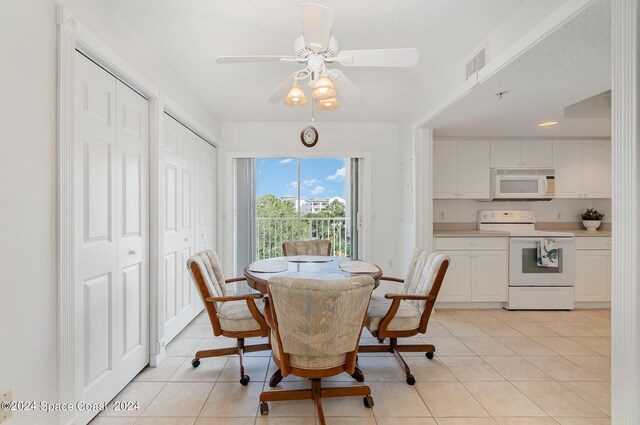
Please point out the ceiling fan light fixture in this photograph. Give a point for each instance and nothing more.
(328, 104)
(296, 96)
(323, 89)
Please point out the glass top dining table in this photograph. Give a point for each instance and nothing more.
(304, 267)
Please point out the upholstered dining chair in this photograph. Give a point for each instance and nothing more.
(231, 315)
(407, 314)
(310, 247)
(315, 329)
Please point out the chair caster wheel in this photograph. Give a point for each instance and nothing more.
(368, 401)
(411, 380)
(245, 380)
(264, 408)
(380, 340)
(429, 355)
(195, 362)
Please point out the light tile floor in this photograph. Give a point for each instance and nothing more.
(492, 367)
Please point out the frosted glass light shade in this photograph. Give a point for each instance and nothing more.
(296, 96)
(324, 89)
(328, 104)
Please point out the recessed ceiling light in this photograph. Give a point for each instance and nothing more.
(547, 123)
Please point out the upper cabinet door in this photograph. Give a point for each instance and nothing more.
(473, 169)
(445, 169)
(567, 161)
(536, 154)
(596, 169)
(505, 154)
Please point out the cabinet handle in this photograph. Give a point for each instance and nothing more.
(186, 239)
(202, 234)
(132, 252)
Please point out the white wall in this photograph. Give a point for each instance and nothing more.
(465, 210)
(28, 328)
(378, 139)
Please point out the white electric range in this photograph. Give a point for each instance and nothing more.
(532, 287)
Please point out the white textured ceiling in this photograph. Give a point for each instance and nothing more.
(188, 35)
(570, 65)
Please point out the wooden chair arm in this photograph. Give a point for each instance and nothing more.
(267, 312)
(248, 297)
(409, 297)
(392, 279)
(235, 279)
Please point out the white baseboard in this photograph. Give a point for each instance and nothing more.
(592, 304)
(476, 305)
(156, 359)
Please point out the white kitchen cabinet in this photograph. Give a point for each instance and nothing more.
(456, 286)
(489, 276)
(477, 272)
(461, 169)
(593, 269)
(521, 154)
(583, 168)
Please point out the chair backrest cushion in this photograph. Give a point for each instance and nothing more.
(428, 277)
(319, 318)
(418, 256)
(211, 272)
(312, 247)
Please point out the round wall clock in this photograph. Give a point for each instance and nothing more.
(309, 136)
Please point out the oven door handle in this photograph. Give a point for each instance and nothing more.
(535, 238)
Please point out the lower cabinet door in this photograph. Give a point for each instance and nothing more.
(489, 276)
(457, 282)
(593, 275)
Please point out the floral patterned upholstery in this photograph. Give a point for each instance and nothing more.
(318, 321)
(312, 247)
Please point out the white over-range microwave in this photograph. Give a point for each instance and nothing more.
(522, 184)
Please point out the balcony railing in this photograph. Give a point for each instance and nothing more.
(271, 232)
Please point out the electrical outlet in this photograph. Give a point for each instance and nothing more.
(6, 397)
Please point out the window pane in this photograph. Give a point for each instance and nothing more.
(276, 199)
(323, 202)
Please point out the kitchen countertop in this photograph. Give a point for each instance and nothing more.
(474, 233)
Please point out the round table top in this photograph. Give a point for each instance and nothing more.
(298, 267)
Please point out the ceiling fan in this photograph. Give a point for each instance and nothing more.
(315, 49)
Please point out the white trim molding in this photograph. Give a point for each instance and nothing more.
(625, 407)
(66, 26)
(423, 153)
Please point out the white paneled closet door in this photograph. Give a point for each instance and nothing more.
(111, 234)
(189, 202)
(133, 231)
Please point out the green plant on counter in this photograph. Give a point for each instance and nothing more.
(592, 214)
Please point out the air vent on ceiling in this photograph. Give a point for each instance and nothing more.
(476, 63)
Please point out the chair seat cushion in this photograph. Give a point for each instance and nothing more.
(307, 362)
(235, 316)
(407, 317)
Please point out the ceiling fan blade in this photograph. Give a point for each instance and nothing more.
(316, 26)
(281, 92)
(349, 91)
(402, 58)
(257, 58)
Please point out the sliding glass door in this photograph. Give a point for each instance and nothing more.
(305, 198)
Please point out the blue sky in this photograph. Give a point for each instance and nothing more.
(319, 177)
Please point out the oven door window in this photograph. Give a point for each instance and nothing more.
(530, 265)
